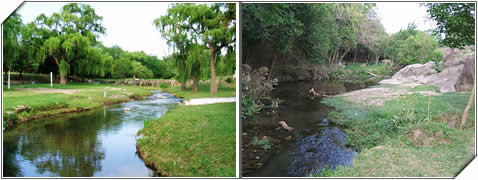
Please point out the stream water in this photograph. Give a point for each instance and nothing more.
(317, 142)
(99, 142)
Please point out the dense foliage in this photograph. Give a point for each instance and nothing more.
(192, 29)
(65, 43)
(331, 34)
(410, 46)
(456, 21)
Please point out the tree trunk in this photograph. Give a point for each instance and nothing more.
(63, 79)
(470, 101)
(134, 76)
(271, 69)
(195, 83)
(213, 88)
(342, 56)
(183, 85)
(355, 56)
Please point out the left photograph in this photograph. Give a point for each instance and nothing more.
(119, 89)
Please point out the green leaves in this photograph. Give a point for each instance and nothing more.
(456, 21)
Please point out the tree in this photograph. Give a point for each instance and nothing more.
(11, 46)
(186, 24)
(456, 21)
(220, 33)
(71, 34)
(175, 28)
(122, 68)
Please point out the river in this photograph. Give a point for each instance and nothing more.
(316, 142)
(99, 142)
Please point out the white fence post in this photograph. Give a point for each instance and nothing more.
(51, 79)
(8, 79)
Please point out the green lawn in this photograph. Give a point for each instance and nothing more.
(413, 135)
(224, 90)
(192, 141)
(86, 96)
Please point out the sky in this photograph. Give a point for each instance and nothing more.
(395, 16)
(130, 24)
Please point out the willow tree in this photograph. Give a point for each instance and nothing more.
(72, 33)
(220, 33)
(175, 28)
(11, 46)
(31, 52)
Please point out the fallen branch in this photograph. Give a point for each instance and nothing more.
(314, 94)
(285, 126)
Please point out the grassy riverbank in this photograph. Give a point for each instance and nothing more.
(42, 100)
(224, 90)
(412, 132)
(192, 141)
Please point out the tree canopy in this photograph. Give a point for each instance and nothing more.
(456, 21)
(190, 28)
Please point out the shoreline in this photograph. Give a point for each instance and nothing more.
(59, 111)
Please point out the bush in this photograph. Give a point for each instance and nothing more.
(164, 85)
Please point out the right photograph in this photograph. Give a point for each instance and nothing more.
(382, 89)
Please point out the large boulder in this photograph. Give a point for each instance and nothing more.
(465, 81)
(412, 73)
(458, 73)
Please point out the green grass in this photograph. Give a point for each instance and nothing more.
(426, 87)
(224, 90)
(192, 141)
(377, 69)
(87, 96)
(385, 135)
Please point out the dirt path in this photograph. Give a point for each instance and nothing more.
(201, 101)
(50, 90)
(376, 96)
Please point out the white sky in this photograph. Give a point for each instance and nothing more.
(130, 24)
(397, 15)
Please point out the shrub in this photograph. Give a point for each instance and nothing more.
(164, 85)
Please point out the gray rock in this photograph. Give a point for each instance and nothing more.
(458, 73)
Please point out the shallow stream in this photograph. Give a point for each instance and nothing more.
(99, 142)
(316, 142)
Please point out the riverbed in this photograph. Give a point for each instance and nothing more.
(314, 144)
(99, 142)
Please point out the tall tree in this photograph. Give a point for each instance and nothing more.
(31, 49)
(11, 45)
(72, 33)
(220, 33)
(175, 28)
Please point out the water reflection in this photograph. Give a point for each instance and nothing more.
(100, 142)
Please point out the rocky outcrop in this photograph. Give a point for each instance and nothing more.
(458, 73)
(465, 81)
